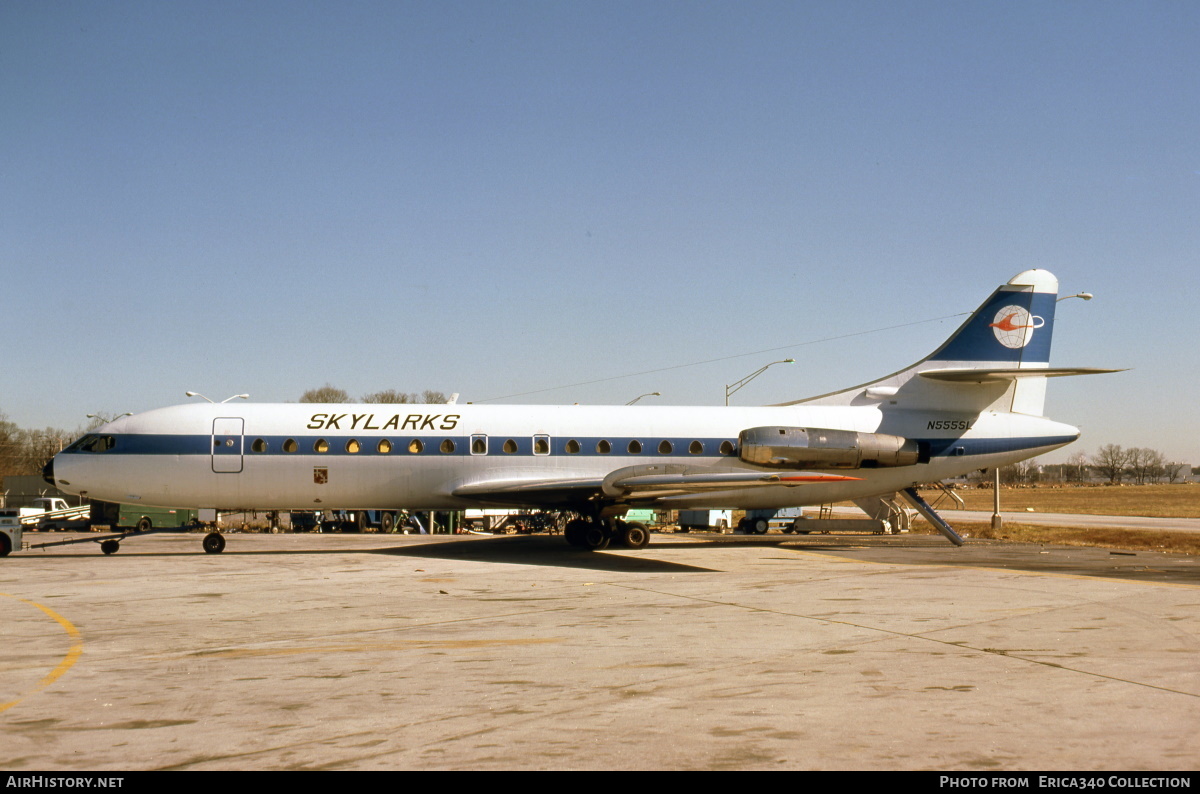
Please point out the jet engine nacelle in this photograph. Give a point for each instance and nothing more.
(818, 448)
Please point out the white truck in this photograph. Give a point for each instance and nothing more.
(705, 520)
(50, 512)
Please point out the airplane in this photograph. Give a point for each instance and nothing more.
(974, 403)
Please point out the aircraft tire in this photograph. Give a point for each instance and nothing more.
(596, 537)
(109, 546)
(214, 543)
(634, 534)
(574, 532)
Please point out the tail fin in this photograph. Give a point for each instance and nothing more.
(997, 360)
(1012, 329)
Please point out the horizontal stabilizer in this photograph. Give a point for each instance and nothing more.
(1008, 373)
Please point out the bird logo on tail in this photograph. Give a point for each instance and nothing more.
(1014, 326)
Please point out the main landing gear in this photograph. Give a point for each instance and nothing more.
(597, 534)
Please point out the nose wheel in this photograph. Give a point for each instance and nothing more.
(214, 543)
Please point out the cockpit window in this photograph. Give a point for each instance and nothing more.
(93, 442)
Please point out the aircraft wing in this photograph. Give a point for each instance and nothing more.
(652, 481)
(507, 489)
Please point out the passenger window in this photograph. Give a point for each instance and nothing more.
(259, 445)
(573, 447)
(664, 447)
(726, 448)
(603, 447)
(695, 448)
(321, 446)
(290, 445)
(447, 447)
(478, 445)
(510, 447)
(352, 446)
(541, 445)
(635, 447)
(384, 446)
(416, 447)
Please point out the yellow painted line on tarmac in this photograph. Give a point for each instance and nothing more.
(67, 662)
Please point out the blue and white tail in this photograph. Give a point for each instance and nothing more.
(998, 360)
(1012, 329)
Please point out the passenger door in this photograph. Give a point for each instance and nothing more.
(227, 443)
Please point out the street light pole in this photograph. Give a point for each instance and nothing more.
(734, 387)
(227, 399)
(997, 521)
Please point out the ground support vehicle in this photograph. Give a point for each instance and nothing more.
(503, 522)
(48, 512)
(361, 521)
(12, 537)
(140, 517)
(305, 520)
(705, 520)
(793, 520)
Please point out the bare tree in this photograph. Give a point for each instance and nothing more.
(326, 394)
(1135, 464)
(390, 396)
(1076, 470)
(1021, 473)
(393, 396)
(39, 446)
(27, 451)
(10, 447)
(1154, 465)
(1145, 465)
(1110, 461)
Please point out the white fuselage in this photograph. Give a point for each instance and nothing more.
(304, 456)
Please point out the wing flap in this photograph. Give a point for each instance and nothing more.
(642, 482)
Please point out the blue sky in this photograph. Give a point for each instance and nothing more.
(502, 198)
